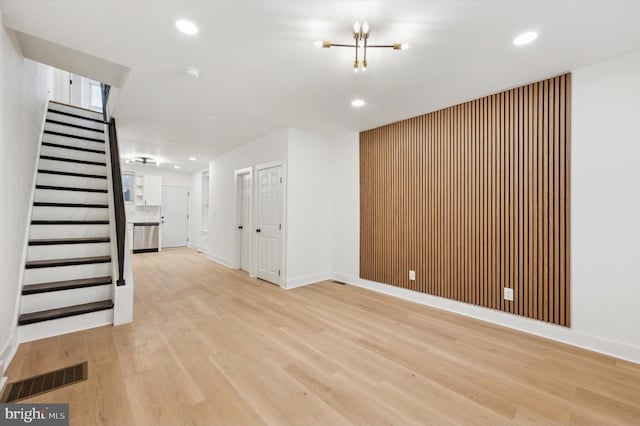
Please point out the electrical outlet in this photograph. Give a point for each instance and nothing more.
(412, 275)
(508, 294)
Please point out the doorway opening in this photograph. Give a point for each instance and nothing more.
(244, 198)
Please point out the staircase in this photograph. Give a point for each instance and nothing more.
(68, 283)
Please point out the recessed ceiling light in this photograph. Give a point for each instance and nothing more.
(525, 38)
(176, 167)
(192, 72)
(192, 158)
(186, 27)
(357, 103)
(212, 117)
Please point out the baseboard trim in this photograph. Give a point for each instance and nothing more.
(554, 332)
(306, 280)
(7, 353)
(222, 261)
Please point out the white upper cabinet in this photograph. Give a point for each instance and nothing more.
(148, 190)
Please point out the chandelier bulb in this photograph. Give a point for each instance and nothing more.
(356, 28)
(365, 28)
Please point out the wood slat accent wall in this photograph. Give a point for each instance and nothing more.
(474, 198)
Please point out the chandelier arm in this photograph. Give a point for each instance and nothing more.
(381, 45)
(342, 45)
(364, 59)
(356, 63)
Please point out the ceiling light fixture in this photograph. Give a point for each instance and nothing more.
(186, 27)
(525, 38)
(361, 33)
(145, 160)
(192, 158)
(212, 117)
(357, 103)
(176, 167)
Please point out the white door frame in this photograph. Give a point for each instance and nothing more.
(254, 246)
(238, 174)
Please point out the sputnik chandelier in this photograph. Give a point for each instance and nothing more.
(361, 36)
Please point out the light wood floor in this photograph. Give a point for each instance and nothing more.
(212, 346)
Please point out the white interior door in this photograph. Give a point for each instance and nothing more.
(269, 230)
(175, 216)
(245, 222)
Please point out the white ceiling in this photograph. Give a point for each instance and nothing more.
(260, 71)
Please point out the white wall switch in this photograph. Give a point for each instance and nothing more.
(412, 275)
(508, 294)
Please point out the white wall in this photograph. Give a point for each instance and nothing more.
(605, 200)
(198, 238)
(308, 207)
(605, 217)
(222, 220)
(24, 91)
(169, 177)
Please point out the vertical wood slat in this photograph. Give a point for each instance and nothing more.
(474, 198)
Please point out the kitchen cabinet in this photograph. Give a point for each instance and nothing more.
(148, 190)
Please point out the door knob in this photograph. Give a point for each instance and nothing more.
(239, 226)
(258, 230)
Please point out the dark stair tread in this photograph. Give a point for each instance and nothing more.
(69, 114)
(75, 148)
(70, 188)
(60, 241)
(70, 222)
(72, 261)
(65, 285)
(67, 135)
(71, 160)
(76, 126)
(68, 311)
(76, 205)
(58, 172)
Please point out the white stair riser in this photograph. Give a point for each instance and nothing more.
(64, 166)
(58, 251)
(56, 196)
(71, 181)
(73, 120)
(64, 273)
(68, 231)
(81, 143)
(60, 299)
(72, 153)
(76, 111)
(69, 213)
(69, 130)
(40, 330)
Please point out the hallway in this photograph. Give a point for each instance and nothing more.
(210, 345)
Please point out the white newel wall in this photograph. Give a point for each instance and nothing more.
(308, 210)
(24, 91)
(605, 217)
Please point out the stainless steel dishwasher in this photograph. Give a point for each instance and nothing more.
(145, 237)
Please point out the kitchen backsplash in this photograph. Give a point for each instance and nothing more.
(142, 213)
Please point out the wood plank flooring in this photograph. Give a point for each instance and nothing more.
(211, 346)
